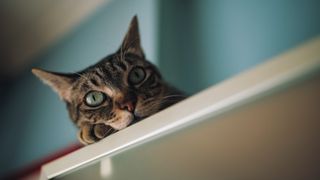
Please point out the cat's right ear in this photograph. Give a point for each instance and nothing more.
(59, 82)
(131, 42)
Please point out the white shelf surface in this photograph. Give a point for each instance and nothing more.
(285, 72)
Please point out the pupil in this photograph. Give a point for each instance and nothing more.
(94, 98)
(136, 74)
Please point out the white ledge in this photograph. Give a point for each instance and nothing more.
(276, 73)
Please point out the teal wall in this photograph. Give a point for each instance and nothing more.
(196, 43)
(206, 41)
(35, 122)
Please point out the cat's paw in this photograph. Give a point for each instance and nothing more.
(91, 133)
(85, 134)
(102, 130)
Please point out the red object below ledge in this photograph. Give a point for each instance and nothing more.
(35, 167)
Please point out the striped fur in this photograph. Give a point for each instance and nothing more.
(110, 76)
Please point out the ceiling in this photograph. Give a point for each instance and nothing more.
(29, 27)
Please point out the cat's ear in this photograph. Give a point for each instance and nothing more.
(131, 42)
(59, 82)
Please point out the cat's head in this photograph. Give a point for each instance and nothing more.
(119, 89)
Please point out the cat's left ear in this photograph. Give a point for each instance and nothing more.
(131, 42)
(59, 82)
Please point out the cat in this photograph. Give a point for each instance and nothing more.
(118, 91)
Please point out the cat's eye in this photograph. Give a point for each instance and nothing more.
(137, 75)
(94, 98)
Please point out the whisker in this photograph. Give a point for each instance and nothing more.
(162, 102)
(109, 130)
(148, 100)
(174, 95)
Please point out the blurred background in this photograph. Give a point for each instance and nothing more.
(195, 43)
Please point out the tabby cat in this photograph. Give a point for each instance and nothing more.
(120, 90)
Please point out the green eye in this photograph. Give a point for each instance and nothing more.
(94, 98)
(136, 75)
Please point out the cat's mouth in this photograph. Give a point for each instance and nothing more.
(124, 120)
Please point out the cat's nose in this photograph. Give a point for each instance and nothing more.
(129, 106)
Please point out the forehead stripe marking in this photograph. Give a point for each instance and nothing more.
(121, 65)
(98, 73)
(106, 73)
(94, 82)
